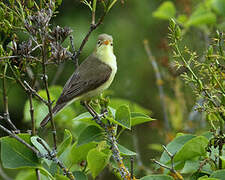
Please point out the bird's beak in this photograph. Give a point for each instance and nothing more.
(106, 42)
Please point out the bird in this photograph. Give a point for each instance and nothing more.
(94, 75)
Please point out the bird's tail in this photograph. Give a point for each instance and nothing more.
(55, 110)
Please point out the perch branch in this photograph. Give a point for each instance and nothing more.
(110, 131)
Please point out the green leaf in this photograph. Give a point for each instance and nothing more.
(14, 154)
(90, 134)
(59, 2)
(54, 91)
(219, 6)
(125, 151)
(134, 107)
(78, 154)
(29, 174)
(41, 148)
(66, 142)
(123, 116)
(220, 174)
(61, 177)
(139, 118)
(201, 16)
(166, 10)
(38, 145)
(157, 177)
(207, 178)
(85, 117)
(174, 146)
(191, 149)
(97, 161)
(190, 166)
(79, 175)
(197, 175)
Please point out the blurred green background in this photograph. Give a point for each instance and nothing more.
(130, 23)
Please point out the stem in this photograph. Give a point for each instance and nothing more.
(188, 66)
(159, 84)
(19, 139)
(214, 76)
(32, 114)
(37, 171)
(44, 59)
(111, 133)
(5, 102)
(92, 28)
(53, 157)
(93, 12)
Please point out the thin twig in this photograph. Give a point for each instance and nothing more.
(19, 139)
(5, 102)
(110, 131)
(32, 114)
(162, 165)
(28, 88)
(132, 168)
(44, 59)
(92, 28)
(52, 156)
(37, 171)
(158, 83)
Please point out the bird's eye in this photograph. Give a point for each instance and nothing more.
(111, 44)
(99, 42)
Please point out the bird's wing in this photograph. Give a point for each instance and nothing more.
(91, 74)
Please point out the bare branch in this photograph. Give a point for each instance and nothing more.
(159, 83)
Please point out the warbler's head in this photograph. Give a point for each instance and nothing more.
(105, 42)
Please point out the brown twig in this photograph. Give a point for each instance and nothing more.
(28, 88)
(92, 28)
(37, 171)
(44, 59)
(5, 102)
(32, 114)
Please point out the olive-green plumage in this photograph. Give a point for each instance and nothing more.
(93, 76)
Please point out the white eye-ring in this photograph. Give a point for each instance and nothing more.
(99, 42)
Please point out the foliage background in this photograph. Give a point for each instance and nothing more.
(130, 23)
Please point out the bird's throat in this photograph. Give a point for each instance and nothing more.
(106, 55)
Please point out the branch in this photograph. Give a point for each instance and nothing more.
(159, 83)
(5, 102)
(92, 28)
(19, 139)
(49, 104)
(111, 133)
(172, 170)
(52, 156)
(28, 88)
